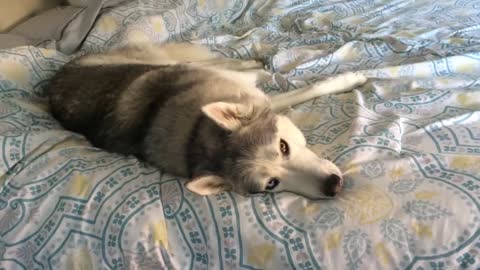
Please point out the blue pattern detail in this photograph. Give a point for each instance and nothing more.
(373, 169)
(424, 210)
(394, 231)
(437, 265)
(329, 218)
(402, 186)
(356, 245)
(466, 260)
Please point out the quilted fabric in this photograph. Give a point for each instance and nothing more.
(408, 141)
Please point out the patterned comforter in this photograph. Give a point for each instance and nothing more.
(408, 141)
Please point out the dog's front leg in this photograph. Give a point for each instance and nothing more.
(334, 85)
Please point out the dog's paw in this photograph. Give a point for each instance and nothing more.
(263, 76)
(251, 64)
(354, 78)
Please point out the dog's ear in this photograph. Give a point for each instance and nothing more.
(207, 184)
(228, 115)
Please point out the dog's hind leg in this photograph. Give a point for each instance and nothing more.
(334, 85)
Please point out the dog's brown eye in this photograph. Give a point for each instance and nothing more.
(284, 147)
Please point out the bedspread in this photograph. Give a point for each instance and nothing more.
(408, 142)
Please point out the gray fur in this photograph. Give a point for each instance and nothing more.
(135, 109)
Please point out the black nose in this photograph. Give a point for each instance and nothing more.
(332, 185)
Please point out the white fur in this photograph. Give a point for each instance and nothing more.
(303, 171)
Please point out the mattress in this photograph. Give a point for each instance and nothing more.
(408, 142)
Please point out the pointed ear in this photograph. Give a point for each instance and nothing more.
(227, 115)
(207, 184)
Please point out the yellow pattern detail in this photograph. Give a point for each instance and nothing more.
(158, 25)
(220, 4)
(352, 169)
(107, 24)
(406, 34)
(3, 177)
(396, 173)
(311, 208)
(79, 186)
(356, 19)
(277, 11)
(137, 36)
(464, 100)
(368, 204)
(417, 91)
(394, 71)
(47, 52)
(464, 162)
(14, 72)
(382, 253)
(160, 233)
(260, 255)
(421, 230)
(456, 41)
(444, 80)
(467, 66)
(79, 260)
(425, 195)
(333, 240)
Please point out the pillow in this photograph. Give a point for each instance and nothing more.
(14, 12)
(62, 28)
(47, 26)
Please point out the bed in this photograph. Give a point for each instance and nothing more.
(408, 142)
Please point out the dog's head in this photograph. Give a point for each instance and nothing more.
(265, 152)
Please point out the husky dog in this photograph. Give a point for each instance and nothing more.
(197, 115)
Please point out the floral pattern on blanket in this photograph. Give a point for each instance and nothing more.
(408, 142)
